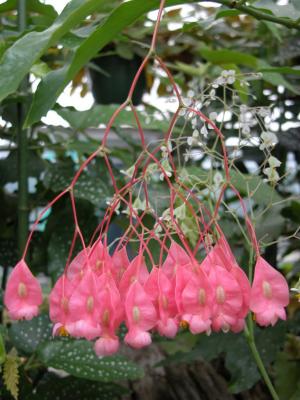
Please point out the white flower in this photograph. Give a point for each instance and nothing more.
(204, 131)
(272, 174)
(194, 122)
(274, 162)
(190, 141)
(213, 116)
(269, 139)
(229, 75)
(195, 133)
(245, 129)
(218, 179)
(212, 94)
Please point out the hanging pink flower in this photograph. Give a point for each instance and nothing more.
(84, 308)
(269, 294)
(197, 302)
(99, 258)
(120, 262)
(228, 298)
(159, 289)
(140, 316)
(136, 270)
(23, 293)
(111, 314)
(176, 257)
(59, 302)
(78, 264)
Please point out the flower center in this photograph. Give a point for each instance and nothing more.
(99, 264)
(90, 304)
(64, 304)
(105, 318)
(136, 314)
(202, 297)
(267, 289)
(164, 301)
(22, 290)
(221, 296)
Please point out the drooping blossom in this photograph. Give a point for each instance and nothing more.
(269, 294)
(23, 293)
(228, 298)
(197, 302)
(84, 308)
(120, 262)
(78, 264)
(140, 316)
(99, 258)
(111, 314)
(176, 257)
(136, 270)
(160, 290)
(59, 302)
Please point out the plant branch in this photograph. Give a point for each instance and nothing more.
(260, 15)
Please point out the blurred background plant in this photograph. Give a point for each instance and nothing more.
(239, 62)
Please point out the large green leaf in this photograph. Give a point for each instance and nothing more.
(32, 5)
(238, 358)
(53, 387)
(77, 357)
(28, 335)
(54, 83)
(18, 59)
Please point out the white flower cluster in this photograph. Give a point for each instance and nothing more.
(246, 120)
(269, 140)
(270, 171)
(227, 78)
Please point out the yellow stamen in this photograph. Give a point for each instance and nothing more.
(105, 318)
(202, 297)
(136, 314)
(22, 290)
(267, 290)
(184, 324)
(221, 296)
(90, 303)
(63, 332)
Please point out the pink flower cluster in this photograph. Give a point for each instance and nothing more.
(98, 292)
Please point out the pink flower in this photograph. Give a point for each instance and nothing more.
(23, 294)
(84, 308)
(59, 299)
(136, 270)
(175, 258)
(120, 262)
(269, 294)
(99, 258)
(159, 289)
(228, 299)
(111, 314)
(182, 277)
(197, 302)
(78, 264)
(106, 346)
(140, 316)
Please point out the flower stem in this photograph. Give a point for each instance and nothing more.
(260, 365)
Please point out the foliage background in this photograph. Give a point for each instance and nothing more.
(197, 43)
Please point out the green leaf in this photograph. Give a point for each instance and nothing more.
(2, 350)
(18, 59)
(77, 357)
(28, 335)
(32, 6)
(11, 374)
(9, 171)
(81, 120)
(54, 83)
(88, 187)
(228, 57)
(281, 70)
(227, 13)
(254, 187)
(287, 372)
(52, 387)
(238, 357)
